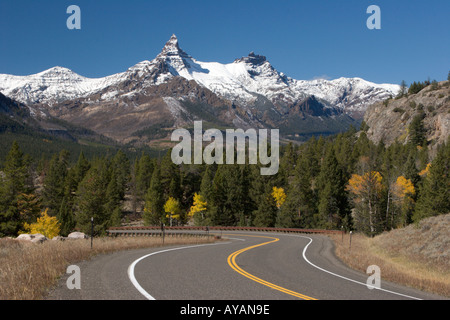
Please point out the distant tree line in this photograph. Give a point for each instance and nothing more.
(416, 87)
(345, 181)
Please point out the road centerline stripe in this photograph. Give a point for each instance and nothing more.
(233, 264)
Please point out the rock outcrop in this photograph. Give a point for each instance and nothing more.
(389, 121)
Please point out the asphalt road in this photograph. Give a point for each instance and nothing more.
(245, 266)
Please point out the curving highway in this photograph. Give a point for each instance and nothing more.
(245, 266)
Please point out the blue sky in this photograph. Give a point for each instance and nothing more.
(303, 39)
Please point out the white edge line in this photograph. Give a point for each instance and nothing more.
(132, 266)
(235, 239)
(337, 275)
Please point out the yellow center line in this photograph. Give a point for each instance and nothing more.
(232, 263)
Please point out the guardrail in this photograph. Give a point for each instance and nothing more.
(156, 230)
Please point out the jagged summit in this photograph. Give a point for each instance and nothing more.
(172, 48)
(253, 58)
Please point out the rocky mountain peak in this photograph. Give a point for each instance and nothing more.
(172, 48)
(253, 59)
(58, 73)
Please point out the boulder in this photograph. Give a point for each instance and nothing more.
(77, 235)
(35, 238)
(39, 238)
(25, 237)
(58, 238)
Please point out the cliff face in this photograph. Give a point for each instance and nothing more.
(390, 120)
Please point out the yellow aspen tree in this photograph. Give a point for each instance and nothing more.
(425, 171)
(279, 195)
(172, 208)
(199, 205)
(366, 191)
(404, 187)
(403, 192)
(46, 225)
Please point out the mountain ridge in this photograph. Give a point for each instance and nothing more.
(248, 92)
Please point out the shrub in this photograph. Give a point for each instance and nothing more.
(46, 225)
(399, 110)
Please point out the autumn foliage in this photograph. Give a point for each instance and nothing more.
(199, 205)
(172, 208)
(367, 193)
(46, 225)
(279, 196)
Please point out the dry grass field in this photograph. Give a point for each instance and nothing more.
(417, 256)
(27, 269)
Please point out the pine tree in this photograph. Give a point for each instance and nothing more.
(54, 182)
(403, 89)
(74, 176)
(136, 195)
(287, 165)
(218, 199)
(116, 217)
(362, 146)
(169, 177)
(230, 202)
(266, 214)
(333, 202)
(29, 206)
(90, 200)
(120, 165)
(144, 174)
(65, 217)
(154, 201)
(410, 169)
(343, 148)
(416, 87)
(82, 167)
(302, 193)
(190, 184)
(435, 192)
(13, 182)
(113, 197)
(417, 131)
(207, 181)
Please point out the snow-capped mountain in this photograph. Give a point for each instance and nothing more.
(250, 89)
(241, 81)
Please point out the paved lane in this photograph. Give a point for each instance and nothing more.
(255, 266)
